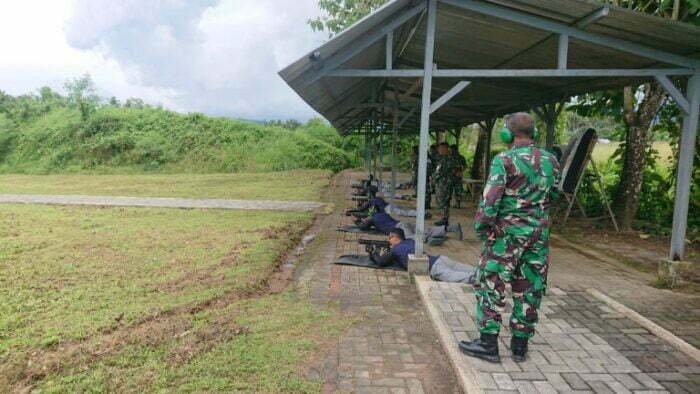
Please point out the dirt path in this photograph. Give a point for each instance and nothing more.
(161, 202)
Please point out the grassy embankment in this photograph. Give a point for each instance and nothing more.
(131, 299)
(118, 140)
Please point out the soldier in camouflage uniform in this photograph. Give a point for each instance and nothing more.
(430, 174)
(443, 180)
(458, 188)
(513, 221)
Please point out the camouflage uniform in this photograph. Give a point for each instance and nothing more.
(513, 222)
(458, 188)
(429, 177)
(443, 181)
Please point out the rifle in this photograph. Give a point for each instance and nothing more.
(359, 198)
(356, 213)
(374, 246)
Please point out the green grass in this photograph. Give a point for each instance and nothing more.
(286, 185)
(278, 335)
(603, 152)
(155, 300)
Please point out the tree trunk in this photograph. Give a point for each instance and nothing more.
(477, 171)
(626, 200)
(549, 114)
(483, 150)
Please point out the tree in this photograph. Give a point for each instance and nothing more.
(549, 114)
(132, 102)
(636, 107)
(82, 94)
(339, 14)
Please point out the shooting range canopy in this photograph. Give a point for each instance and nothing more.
(512, 55)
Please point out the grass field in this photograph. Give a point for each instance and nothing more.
(130, 299)
(286, 185)
(603, 152)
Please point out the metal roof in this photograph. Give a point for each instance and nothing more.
(468, 38)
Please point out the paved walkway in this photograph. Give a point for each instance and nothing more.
(582, 345)
(392, 347)
(161, 202)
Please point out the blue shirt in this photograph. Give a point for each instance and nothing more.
(383, 222)
(378, 204)
(401, 251)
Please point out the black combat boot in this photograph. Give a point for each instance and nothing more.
(485, 348)
(518, 345)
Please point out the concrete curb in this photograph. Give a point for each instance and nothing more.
(161, 202)
(466, 374)
(654, 328)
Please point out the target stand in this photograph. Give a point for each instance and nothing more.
(576, 157)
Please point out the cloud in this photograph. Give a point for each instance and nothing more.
(35, 54)
(217, 57)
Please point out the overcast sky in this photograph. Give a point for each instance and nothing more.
(219, 57)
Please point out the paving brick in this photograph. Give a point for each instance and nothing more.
(527, 376)
(414, 386)
(390, 382)
(621, 369)
(371, 390)
(503, 381)
(486, 381)
(600, 387)
(544, 387)
(647, 381)
(667, 376)
(525, 387)
(577, 365)
(575, 381)
(594, 366)
(556, 368)
(558, 382)
(618, 387)
(628, 381)
(592, 377)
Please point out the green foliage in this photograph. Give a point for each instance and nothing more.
(82, 94)
(136, 137)
(340, 14)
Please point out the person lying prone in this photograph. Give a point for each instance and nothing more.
(441, 268)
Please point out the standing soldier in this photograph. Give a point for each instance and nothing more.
(444, 182)
(430, 175)
(513, 222)
(414, 164)
(461, 163)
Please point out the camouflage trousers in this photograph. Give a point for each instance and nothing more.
(458, 190)
(506, 260)
(443, 196)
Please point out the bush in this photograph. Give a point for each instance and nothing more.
(152, 139)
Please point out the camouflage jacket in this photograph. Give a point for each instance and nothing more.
(521, 184)
(461, 161)
(446, 168)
